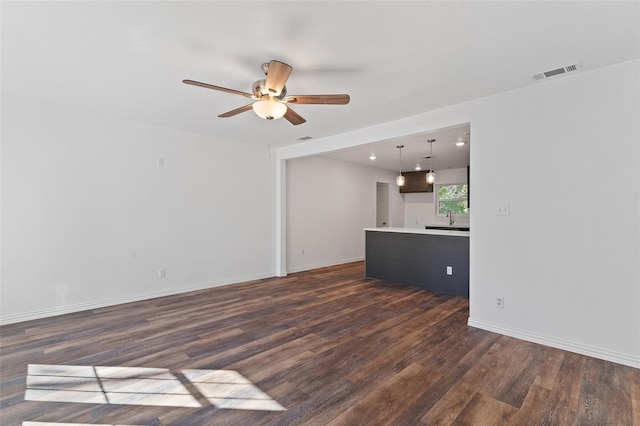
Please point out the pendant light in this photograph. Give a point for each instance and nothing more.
(431, 176)
(400, 178)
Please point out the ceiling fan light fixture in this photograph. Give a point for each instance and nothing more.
(269, 109)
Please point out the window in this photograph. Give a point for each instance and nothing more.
(453, 198)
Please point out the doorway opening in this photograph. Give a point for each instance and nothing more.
(382, 204)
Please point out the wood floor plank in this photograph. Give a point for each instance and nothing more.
(535, 410)
(449, 407)
(326, 346)
(484, 410)
(515, 371)
(548, 372)
(390, 399)
(601, 404)
(570, 376)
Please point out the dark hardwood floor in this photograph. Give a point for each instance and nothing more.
(324, 347)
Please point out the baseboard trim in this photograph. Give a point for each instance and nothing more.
(324, 265)
(78, 307)
(592, 351)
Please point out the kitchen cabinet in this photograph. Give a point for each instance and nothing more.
(416, 182)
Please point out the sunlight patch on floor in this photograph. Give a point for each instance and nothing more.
(230, 389)
(68, 424)
(226, 389)
(107, 385)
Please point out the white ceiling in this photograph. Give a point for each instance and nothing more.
(446, 154)
(395, 59)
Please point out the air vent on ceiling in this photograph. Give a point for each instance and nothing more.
(558, 71)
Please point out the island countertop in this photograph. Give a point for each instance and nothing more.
(455, 233)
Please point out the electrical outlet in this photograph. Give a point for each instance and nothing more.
(449, 270)
(162, 273)
(500, 302)
(160, 161)
(504, 210)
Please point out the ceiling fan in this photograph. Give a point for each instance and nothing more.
(271, 97)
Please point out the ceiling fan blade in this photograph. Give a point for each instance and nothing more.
(277, 75)
(318, 99)
(236, 111)
(221, 89)
(293, 117)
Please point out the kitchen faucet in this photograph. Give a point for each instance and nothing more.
(450, 216)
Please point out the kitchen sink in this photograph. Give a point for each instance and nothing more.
(448, 228)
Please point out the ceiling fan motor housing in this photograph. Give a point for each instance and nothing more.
(259, 90)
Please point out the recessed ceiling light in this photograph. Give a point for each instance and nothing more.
(460, 142)
(418, 167)
(372, 157)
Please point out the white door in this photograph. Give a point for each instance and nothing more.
(382, 204)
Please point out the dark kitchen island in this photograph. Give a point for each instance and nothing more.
(436, 260)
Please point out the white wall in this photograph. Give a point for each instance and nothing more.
(329, 203)
(568, 268)
(420, 207)
(88, 216)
